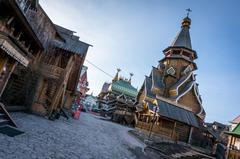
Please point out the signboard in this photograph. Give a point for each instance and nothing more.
(82, 83)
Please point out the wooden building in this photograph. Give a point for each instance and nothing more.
(233, 151)
(169, 103)
(40, 62)
(233, 148)
(117, 100)
(19, 44)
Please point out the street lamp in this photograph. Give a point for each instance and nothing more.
(156, 109)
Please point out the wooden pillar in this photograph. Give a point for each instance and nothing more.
(229, 147)
(190, 135)
(234, 141)
(174, 128)
(41, 87)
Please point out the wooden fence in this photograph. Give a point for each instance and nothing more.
(158, 130)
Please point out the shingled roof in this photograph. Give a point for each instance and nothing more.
(183, 37)
(124, 87)
(171, 111)
(72, 42)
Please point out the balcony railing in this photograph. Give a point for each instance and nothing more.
(25, 5)
(50, 71)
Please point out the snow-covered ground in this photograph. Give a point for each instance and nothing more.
(87, 138)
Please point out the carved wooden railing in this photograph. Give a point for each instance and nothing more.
(50, 71)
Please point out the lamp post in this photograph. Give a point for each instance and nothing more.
(156, 109)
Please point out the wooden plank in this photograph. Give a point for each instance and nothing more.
(8, 115)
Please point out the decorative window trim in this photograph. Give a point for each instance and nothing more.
(181, 95)
(190, 75)
(187, 69)
(171, 71)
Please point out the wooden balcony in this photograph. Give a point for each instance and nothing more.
(234, 154)
(51, 71)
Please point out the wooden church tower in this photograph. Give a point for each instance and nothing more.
(169, 98)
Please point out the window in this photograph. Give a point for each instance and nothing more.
(187, 69)
(171, 71)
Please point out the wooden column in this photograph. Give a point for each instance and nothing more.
(190, 135)
(229, 146)
(174, 128)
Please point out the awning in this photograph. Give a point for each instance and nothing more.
(10, 48)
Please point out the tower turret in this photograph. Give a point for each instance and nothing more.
(130, 79)
(116, 78)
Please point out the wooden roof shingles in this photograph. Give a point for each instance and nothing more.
(179, 114)
(148, 86)
(157, 80)
(72, 42)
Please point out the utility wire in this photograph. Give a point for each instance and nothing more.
(99, 68)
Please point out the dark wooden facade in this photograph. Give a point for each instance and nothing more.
(117, 100)
(41, 67)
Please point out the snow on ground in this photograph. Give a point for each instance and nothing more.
(87, 138)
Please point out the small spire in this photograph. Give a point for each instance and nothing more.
(130, 79)
(116, 78)
(187, 21)
(183, 38)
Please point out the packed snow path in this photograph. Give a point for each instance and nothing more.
(87, 138)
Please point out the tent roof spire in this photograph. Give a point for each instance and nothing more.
(183, 38)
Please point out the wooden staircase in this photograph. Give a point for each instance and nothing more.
(13, 94)
(5, 118)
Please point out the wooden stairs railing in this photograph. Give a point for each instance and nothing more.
(5, 118)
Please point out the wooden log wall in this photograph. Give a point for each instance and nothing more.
(171, 129)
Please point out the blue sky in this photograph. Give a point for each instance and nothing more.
(131, 34)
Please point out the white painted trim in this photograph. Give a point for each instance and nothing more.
(171, 69)
(185, 91)
(199, 101)
(188, 67)
(190, 74)
(173, 103)
(153, 88)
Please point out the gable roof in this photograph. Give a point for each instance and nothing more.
(157, 80)
(72, 42)
(147, 87)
